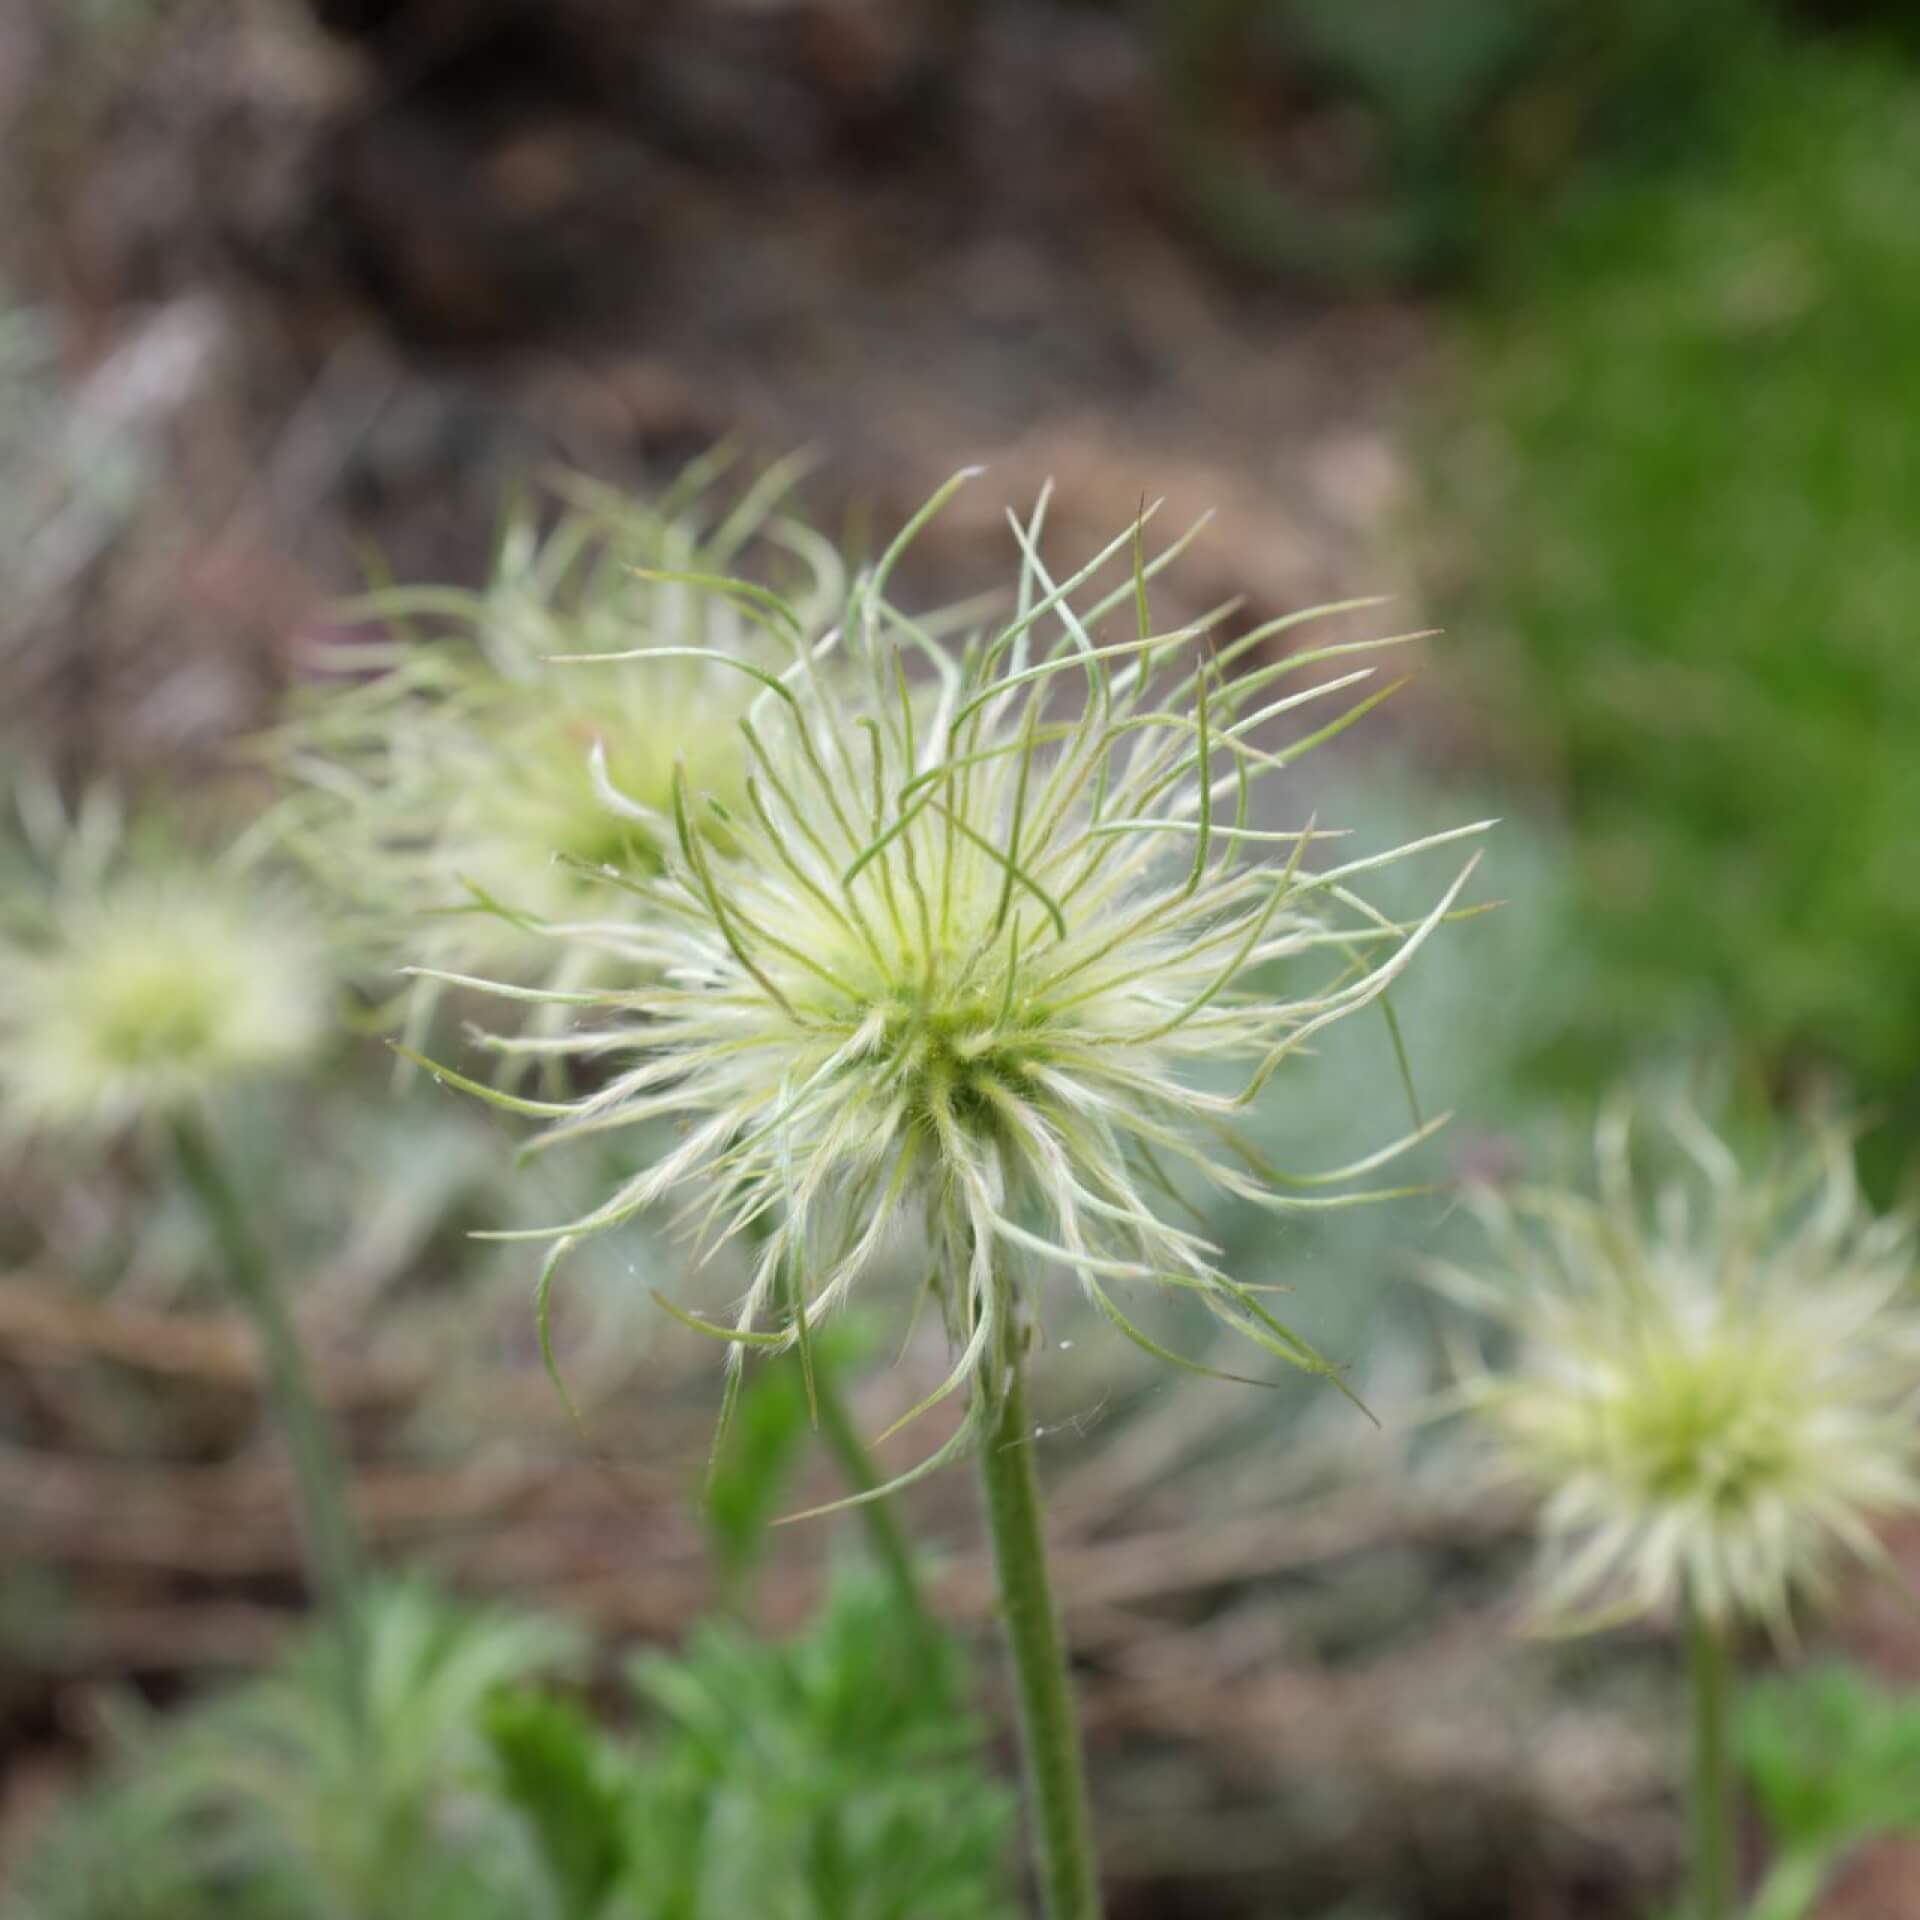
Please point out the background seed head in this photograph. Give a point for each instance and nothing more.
(153, 991)
(1711, 1387)
(447, 788)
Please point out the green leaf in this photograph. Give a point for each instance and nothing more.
(562, 1776)
(765, 1442)
(1833, 1757)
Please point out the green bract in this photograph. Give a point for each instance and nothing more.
(947, 962)
(1713, 1384)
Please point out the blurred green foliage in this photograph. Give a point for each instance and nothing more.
(1344, 140)
(1684, 484)
(765, 1441)
(1833, 1758)
(835, 1776)
(1468, 1012)
(269, 1801)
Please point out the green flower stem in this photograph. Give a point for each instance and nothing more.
(1710, 1664)
(886, 1538)
(333, 1547)
(1792, 1885)
(1050, 1737)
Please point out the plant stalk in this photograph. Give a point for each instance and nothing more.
(1710, 1669)
(332, 1545)
(886, 1538)
(1792, 1885)
(1049, 1734)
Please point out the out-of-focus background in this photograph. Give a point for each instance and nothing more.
(1591, 334)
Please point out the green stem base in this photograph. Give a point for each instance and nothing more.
(332, 1544)
(1050, 1736)
(1710, 1667)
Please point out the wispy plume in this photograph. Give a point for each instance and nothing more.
(446, 792)
(965, 953)
(1712, 1382)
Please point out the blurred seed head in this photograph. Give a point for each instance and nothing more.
(142, 982)
(960, 959)
(447, 796)
(1712, 1380)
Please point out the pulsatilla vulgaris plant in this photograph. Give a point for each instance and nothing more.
(141, 986)
(448, 781)
(948, 961)
(1712, 1388)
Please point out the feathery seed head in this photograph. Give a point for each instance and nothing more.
(458, 777)
(966, 946)
(1712, 1388)
(141, 989)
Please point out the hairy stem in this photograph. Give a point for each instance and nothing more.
(1049, 1735)
(1710, 1667)
(332, 1546)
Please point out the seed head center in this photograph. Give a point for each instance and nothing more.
(1712, 1435)
(155, 1017)
(960, 1051)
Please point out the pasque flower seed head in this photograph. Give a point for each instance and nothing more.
(139, 986)
(444, 787)
(1712, 1384)
(969, 951)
